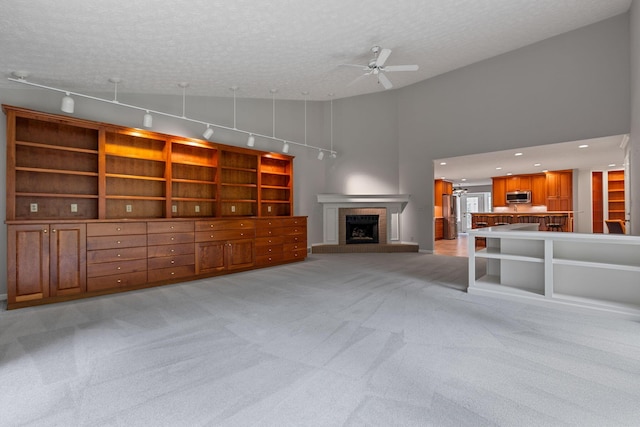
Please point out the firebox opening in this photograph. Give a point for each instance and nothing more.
(361, 229)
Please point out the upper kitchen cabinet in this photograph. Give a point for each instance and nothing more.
(559, 190)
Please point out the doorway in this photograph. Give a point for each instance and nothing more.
(472, 203)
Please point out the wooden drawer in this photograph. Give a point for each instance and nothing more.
(225, 224)
(268, 259)
(209, 236)
(112, 242)
(294, 222)
(268, 223)
(267, 241)
(266, 232)
(170, 250)
(292, 247)
(119, 267)
(297, 254)
(116, 281)
(170, 261)
(172, 273)
(297, 230)
(268, 250)
(169, 238)
(111, 255)
(170, 227)
(296, 239)
(116, 228)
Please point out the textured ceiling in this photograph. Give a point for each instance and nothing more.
(291, 45)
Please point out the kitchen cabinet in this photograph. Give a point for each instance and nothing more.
(559, 190)
(45, 261)
(170, 250)
(538, 190)
(518, 183)
(615, 195)
(499, 195)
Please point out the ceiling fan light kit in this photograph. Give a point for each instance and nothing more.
(68, 106)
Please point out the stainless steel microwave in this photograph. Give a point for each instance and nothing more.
(519, 197)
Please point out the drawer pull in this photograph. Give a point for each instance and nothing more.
(173, 262)
(119, 268)
(173, 250)
(269, 249)
(118, 242)
(210, 225)
(173, 238)
(172, 273)
(44, 231)
(118, 229)
(241, 225)
(119, 281)
(242, 234)
(118, 255)
(171, 227)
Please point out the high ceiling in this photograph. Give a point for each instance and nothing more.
(292, 46)
(478, 169)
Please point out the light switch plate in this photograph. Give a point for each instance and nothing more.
(74, 207)
(174, 208)
(233, 208)
(33, 207)
(128, 208)
(268, 208)
(197, 208)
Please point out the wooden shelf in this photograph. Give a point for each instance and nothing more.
(118, 168)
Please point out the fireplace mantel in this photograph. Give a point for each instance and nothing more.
(332, 203)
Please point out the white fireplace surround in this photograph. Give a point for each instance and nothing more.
(331, 204)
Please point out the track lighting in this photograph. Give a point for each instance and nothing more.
(334, 154)
(208, 132)
(67, 104)
(147, 120)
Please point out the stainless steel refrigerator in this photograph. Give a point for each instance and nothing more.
(450, 216)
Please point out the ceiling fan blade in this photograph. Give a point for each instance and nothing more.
(362, 67)
(382, 57)
(384, 81)
(401, 68)
(358, 79)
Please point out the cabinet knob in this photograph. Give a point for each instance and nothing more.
(119, 268)
(171, 227)
(118, 242)
(119, 281)
(173, 238)
(118, 229)
(118, 255)
(172, 250)
(241, 225)
(269, 249)
(172, 273)
(242, 234)
(173, 262)
(44, 231)
(53, 231)
(210, 225)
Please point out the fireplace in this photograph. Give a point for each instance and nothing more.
(361, 229)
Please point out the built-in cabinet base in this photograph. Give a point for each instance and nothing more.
(52, 262)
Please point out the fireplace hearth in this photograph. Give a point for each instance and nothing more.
(361, 229)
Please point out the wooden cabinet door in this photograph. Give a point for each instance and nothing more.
(565, 184)
(28, 262)
(499, 190)
(538, 190)
(210, 257)
(553, 180)
(240, 254)
(68, 259)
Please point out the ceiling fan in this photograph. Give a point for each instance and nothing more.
(377, 68)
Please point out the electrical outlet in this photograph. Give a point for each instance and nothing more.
(128, 208)
(74, 207)
(197, 208)
(174, 208)
(268, 208)
(233, 208)
(34, 207)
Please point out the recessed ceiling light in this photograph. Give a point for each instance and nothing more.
(498, 168)
(545, 170)
(463, 179)
(611, 165)
(509, 173)
(443, 163)
(583, 146)
(536, 164)
(518, 154)
(442, 177)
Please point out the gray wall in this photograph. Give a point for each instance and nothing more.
(573, 86)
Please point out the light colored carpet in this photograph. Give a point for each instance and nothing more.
(340, 339)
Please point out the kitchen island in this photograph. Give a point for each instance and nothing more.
(548, 221)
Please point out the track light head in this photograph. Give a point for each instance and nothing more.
(251, 141)
(147, 120)
(208, 132)
(320, 154)
(67, 104)
(334, 154)
(285, 147)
